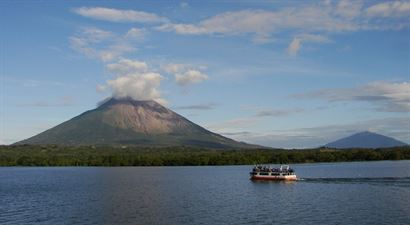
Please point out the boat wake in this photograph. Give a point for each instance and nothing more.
(393, 181)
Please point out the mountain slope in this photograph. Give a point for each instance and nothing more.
(365, 140)
(129, 122)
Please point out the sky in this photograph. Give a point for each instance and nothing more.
(289, 74)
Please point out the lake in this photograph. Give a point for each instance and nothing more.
(328, 193)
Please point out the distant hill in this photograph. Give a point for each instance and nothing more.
(365, 140)
(120, 122)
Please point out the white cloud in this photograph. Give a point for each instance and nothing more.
(136, 33)
(133, 79)
(100, 44)
(297, 41)
(83, 41)
(114, 51)
(137, 86)
(321, 18)
(325, 18)
(294, 46)
(387, 96)
(93, 34)
(118, 15)
(190, 77)
(349, 9)
(174, 68)
(262, 22)
(389, 9)
(185, 74)
(127, 66)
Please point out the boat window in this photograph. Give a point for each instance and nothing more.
(264, 173)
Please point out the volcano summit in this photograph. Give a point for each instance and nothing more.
(125, 121)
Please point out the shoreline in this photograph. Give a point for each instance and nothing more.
(227, 165)
(60, 156)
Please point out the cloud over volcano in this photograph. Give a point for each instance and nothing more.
(134, 79)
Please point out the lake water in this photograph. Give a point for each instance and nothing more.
(329, 193)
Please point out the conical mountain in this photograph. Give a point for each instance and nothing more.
(365, 140)
(120, 122)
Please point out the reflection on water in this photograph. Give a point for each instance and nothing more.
(328, 193)
(275, 182)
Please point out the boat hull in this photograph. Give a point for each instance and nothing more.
(278, 178)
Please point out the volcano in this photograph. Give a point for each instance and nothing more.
(119, 122)
(366, 139)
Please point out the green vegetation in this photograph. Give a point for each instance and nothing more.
(53, 155)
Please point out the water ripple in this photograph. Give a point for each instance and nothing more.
(393, 181)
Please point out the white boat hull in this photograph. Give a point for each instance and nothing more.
(270, 177)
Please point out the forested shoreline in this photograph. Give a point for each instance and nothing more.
(53, 155)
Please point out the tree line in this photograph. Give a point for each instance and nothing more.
(54, 155)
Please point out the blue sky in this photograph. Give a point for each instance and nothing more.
(290, 74)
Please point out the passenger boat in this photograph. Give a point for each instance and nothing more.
(284, 172)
